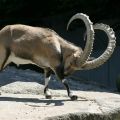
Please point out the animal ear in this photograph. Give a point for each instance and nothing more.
(75, 57)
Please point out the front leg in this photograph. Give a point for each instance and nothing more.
(60, 74)
(47, 79)
(70, 94)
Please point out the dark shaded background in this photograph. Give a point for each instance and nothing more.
(55, 15)
(40, 12)
(32, 11)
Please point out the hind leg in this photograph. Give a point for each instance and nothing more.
(47, 79)
(4, 55)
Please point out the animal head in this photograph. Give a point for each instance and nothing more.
(72, 63)
(79, 60)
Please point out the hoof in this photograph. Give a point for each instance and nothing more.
(74, 97)
(48, 96)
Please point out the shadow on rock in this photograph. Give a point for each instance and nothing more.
(35, 101)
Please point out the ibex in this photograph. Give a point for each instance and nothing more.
(22, 44)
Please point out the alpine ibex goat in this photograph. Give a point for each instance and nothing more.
(22, 44)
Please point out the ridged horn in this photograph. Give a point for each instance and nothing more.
(107, 53)
(90, 35)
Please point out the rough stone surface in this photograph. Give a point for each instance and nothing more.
(24, 100)
(90, 105)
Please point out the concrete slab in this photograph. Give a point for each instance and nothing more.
(22, 101)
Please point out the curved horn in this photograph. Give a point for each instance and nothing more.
(90, 35)
(108, 52)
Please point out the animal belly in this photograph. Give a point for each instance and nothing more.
(40, 61)
(18, 60)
